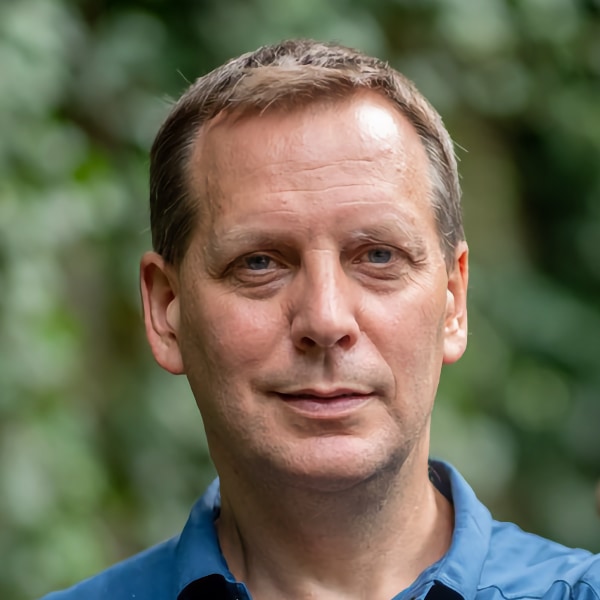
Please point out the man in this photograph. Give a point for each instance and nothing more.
(309, 278)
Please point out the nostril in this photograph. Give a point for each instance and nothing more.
(308, 342)
(346, 341)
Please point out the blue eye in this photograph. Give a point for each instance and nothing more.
(379, 255)
(258, 262)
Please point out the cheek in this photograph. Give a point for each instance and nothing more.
(408, 332)
(231, 333)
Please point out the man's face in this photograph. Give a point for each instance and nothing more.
(313, 310)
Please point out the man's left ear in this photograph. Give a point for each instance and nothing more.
(455, 324)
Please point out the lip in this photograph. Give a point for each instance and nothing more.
(325, 392)
(326, 403)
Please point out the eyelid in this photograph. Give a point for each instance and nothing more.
(240, 263)
(365, 249)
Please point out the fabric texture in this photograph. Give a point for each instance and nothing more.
(487, 560)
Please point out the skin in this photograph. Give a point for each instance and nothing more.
(312, 315)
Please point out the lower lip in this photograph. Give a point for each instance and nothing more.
(326, 407)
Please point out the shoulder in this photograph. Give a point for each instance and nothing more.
(145, 576)
(524, 565)
(493, 560)
(162, 571)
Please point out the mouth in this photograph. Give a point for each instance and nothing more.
(326, 403)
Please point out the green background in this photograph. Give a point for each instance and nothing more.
(101, 453)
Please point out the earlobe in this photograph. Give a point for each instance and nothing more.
(455, 325)
(160, 299)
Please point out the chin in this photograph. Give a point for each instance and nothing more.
(339, 463)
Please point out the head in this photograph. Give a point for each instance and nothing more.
(290, 74)
(310, 274)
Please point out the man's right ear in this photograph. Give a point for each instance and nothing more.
(160, 300)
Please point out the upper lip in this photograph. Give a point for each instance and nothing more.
(325, 393)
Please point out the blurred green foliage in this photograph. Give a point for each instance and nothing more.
(101, 453)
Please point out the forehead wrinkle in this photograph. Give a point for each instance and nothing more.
(222, 141)
(308, 167)
(308, 176)
(215, 152)
(309, 192)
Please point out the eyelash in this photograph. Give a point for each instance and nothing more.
(394, 254)
(241, 264)
(239, 269)
(247, 258)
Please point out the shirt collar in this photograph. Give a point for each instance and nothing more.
(461, 567)
(198, 554)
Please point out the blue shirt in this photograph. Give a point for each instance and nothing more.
(487, 560)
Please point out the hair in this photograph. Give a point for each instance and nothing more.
(292, 73)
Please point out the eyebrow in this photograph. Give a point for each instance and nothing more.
(377, 233)
(241, 239)
(407, 238)
(250, 239)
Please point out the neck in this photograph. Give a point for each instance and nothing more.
(369, 541)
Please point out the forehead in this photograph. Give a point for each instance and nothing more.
(355, 142)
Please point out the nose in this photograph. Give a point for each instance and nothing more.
(324, 308)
